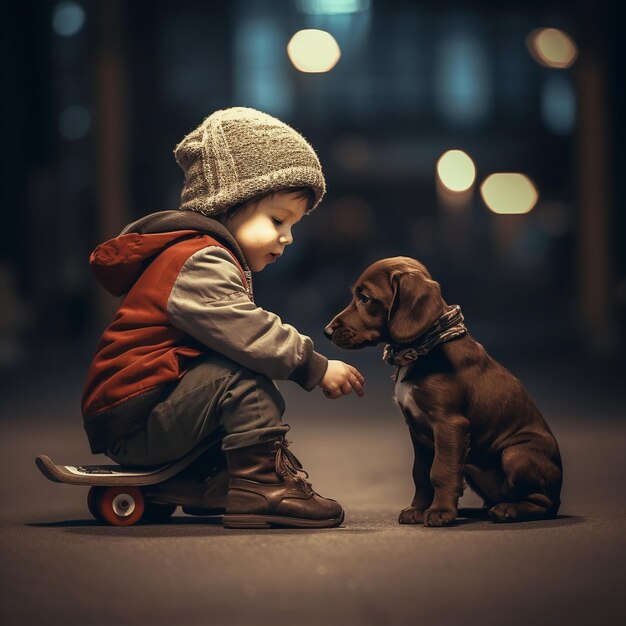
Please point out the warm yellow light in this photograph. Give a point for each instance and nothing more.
(313, 51)
(456, 170)
(552, 47)
(509, 193)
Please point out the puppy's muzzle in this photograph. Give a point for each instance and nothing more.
(332, 326)
(339, 334)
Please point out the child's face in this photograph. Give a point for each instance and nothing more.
(262, 230)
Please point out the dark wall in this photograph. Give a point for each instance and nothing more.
(145, 73)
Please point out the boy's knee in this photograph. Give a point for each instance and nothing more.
(221, 390)
(256, 387)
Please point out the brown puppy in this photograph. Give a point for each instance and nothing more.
(469, 418)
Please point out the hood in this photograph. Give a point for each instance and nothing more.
(119, 262)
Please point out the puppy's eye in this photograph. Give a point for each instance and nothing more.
(363, 298)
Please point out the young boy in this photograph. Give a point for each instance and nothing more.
(189, 358)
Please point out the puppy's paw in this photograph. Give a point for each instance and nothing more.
(411, 515)
(439, 516)
(505, 512)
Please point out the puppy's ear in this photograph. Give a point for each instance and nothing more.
(416, 304)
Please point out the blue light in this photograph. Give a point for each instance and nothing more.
(68, 18)
(74, 122)
(558, 104)
(261, 64)
(333, 7)
(463, 83)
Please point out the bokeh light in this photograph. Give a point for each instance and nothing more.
(552, 47)
(463, 83)
(313, 51)
(509, 193)
(558, 103)
(74, 122)
(456, 170)
(68, 18)
(332, 7)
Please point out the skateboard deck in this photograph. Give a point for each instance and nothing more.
(118, 495)
(115, 475)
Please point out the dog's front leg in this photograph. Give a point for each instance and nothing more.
(423, 498)
(451, 435)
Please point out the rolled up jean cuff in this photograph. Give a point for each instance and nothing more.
(252, 437)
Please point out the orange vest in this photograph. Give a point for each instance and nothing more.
(140, 350)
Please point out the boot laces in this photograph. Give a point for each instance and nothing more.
(288, 463)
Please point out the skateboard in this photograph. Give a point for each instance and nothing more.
(117, 494)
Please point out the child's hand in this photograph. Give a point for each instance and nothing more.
(340, 379)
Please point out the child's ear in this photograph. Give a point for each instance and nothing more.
(416, 304)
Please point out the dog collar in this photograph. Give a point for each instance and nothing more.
(449, 326)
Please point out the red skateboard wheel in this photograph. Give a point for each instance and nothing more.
(119, 506)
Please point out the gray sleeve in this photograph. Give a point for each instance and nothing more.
(209, 302)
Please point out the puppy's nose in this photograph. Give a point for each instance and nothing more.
(328, 331)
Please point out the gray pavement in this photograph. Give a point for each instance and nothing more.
(61, 567)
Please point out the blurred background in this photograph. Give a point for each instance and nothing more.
(483, 138)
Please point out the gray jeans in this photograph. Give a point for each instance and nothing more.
(217, 398)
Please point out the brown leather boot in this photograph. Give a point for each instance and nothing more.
(268, 488)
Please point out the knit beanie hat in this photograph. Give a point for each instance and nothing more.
(238, 154)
